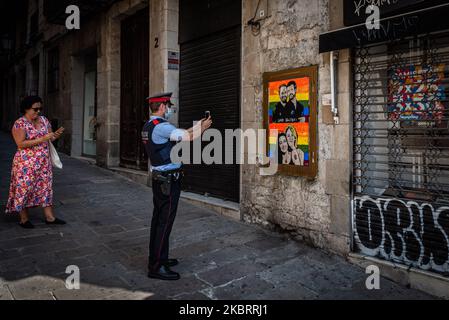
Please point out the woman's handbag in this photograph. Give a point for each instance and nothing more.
(55, 161)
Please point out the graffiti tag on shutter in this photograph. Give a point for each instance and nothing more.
(411, 233)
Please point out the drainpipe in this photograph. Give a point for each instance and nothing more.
(334, 86)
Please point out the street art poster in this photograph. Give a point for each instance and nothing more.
(416, 93)
(289, 118)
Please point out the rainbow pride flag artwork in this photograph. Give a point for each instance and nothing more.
(288, 114)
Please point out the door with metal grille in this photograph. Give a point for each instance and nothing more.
(401, 151)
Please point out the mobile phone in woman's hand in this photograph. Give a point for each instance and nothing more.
(57, 134)
(60, 131)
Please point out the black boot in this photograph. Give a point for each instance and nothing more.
(164, 273)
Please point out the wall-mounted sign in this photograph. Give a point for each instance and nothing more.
(290, 108)
(173, 60)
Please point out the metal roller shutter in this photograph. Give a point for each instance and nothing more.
(210, 80)
(401, 151)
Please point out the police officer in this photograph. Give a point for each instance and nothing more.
(159, 137)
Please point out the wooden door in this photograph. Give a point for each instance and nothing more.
(134, 89)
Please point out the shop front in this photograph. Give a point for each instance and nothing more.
(400, 176)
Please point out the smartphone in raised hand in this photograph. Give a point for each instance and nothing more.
(207, 114)
(60, 130)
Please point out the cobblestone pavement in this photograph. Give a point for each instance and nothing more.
(107, 237)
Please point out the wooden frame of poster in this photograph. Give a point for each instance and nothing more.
(291, 109)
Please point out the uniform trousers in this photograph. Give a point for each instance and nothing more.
(164, 214)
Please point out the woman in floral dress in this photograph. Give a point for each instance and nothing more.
(32, 175)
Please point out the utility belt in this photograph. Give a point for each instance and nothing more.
(167, 178)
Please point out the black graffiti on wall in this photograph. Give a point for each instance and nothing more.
(412, 233)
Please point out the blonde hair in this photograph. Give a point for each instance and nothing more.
(293, 130)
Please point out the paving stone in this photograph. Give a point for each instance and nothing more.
(5, 293)
(49, 247)
(231, 254)
(58, 269)
(9, 231)
(35, 287)
(8, 254)
(110, 239)
(288, 292)
(388, 291)
(109, 229)
(28, 241)
(110, 274)
(19, 273)
(187, 284)
(249, 287)
(279, 255)
(126, 242)
(29, 262)
(255, 288)
(192, 265)
(267, 243)
(81, 251)
(198, 248)
(135, 295)
(241, 238)
(44, 296)
(90, 291)
(230, 272)
(195, 296)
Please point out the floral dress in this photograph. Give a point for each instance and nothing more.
(32, 173)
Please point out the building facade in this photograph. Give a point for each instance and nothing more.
(376, 106)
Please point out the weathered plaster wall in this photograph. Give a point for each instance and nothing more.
(316, 211)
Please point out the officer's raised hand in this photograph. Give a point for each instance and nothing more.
(197, 130)
(206, 123)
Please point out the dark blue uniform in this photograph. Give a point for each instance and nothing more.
(166, 192)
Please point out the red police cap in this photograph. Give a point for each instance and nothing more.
(162, 98)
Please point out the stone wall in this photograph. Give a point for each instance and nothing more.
(316, 211)
(164, 18)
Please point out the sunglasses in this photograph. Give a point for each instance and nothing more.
(37, 109)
